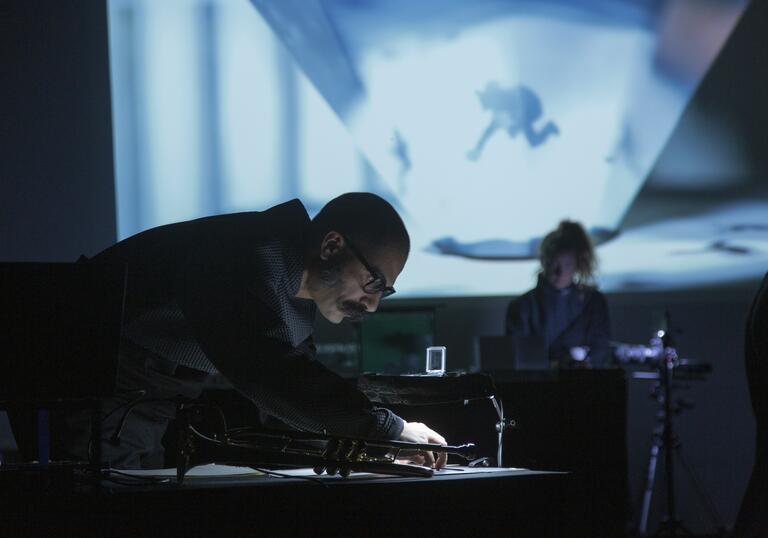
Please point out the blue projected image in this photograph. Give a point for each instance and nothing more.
(484, 122)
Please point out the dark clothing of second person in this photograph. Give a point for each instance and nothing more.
(218, 295)
(574, 316)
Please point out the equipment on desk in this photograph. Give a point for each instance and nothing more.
(510, 353)
(667, 368)
(435, 364)
(655, 355)
(440, 400)
(324, 453)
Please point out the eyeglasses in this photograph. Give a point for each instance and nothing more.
(377, 284)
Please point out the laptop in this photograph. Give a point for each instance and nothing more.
(512, 353)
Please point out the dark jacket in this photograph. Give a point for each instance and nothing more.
(582, 318)
(207, 276)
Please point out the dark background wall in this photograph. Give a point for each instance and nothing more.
(57, 201)
(56, 177)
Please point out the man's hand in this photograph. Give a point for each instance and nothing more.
(416, 432)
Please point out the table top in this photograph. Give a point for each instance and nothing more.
(221, 476)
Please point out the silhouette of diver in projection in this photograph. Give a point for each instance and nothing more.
(400, 151)
(514, 109)
(506, 249)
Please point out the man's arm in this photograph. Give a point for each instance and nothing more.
(227, 320)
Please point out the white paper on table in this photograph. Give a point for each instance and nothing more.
(210, 470)
(451, 470)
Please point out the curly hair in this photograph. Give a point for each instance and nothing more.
(570, 236)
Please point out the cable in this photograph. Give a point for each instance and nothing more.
(150, 479)
(142, 392)
(203, 436)
(115, 438)
(269, 472)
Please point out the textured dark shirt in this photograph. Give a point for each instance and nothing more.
(576, 316)
(163, 330)
(562, 307)
(218, 294)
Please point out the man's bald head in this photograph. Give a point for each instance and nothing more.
(359, 246)
(365, 219)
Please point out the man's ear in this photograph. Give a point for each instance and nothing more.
(332, 243)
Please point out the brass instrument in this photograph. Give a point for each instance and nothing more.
(323, 453)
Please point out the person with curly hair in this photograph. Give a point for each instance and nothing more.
(565, 309)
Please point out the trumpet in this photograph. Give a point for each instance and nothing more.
(324, 453)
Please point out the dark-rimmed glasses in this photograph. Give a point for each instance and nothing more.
(377, 284)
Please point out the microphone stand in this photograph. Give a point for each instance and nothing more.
(665, 438)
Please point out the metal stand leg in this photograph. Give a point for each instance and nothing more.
(500, 427)
(185, 444)
(650, 478)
